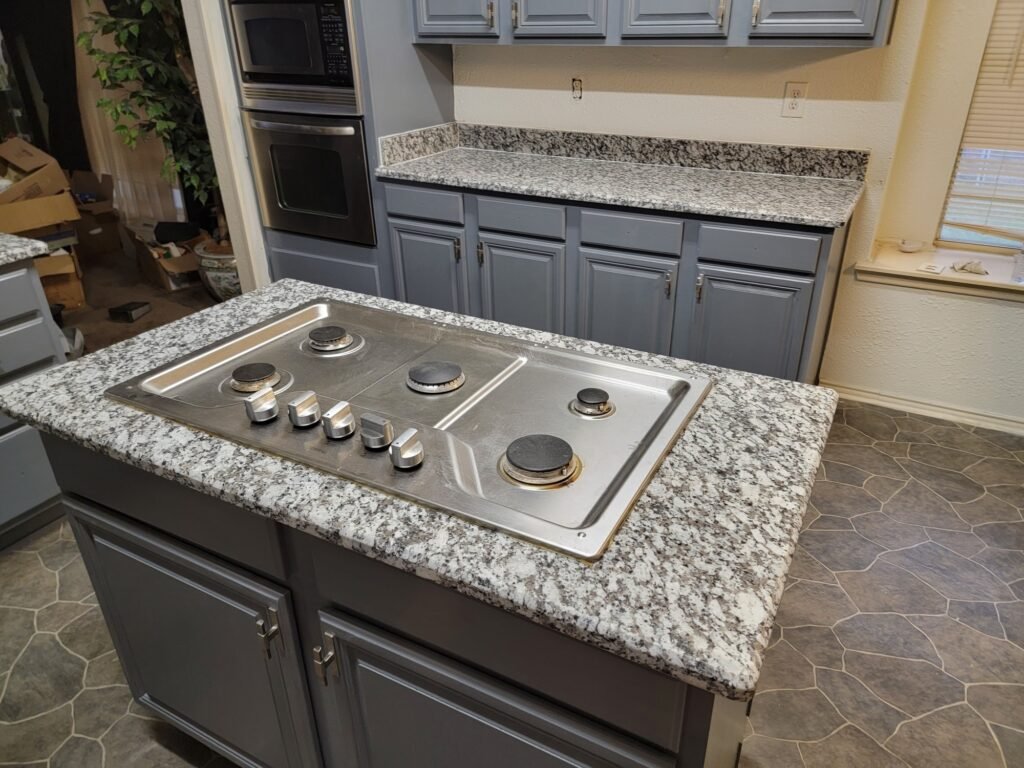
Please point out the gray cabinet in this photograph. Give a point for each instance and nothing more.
(749, 319)
(406, 706)
(815, 18)
(429, 267)
(456, 18)
(559, 18)
(626, 299)
(523, 281)
(675, 18)
(326, 262)
(215, 650)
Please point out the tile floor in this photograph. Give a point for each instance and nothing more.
(900, 640)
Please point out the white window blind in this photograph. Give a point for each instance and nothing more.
(985, 204)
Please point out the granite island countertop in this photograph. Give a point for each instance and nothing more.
(14, 248)
(791, 185)
(689, 585)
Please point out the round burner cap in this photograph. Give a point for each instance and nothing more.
(434, 377)
(328, 334)
(539, 454)
(592, 396)
(250, 373)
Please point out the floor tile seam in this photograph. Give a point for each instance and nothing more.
(868, 688)
(73, 653)
(921, 717)
(970, 628)
(44, 713)
(940, 665)
(992, 733)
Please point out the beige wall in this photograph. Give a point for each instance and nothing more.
(883, 342)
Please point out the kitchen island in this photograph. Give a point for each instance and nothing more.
(645, 657)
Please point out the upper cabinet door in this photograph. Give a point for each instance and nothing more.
(559, 18)
(523, 282)
(675, 18)
(626, 299)
(750, 320)
(814, 18)
(457, 18)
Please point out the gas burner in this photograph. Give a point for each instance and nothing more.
(592, 403)
(252, 377)
(433, 378)
(540, 461)
(329, 338)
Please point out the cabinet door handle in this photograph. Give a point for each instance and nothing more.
(756, 14)
(515, 15)
(458, 251)
(265, 633)
(490, 14)
(721, 13)
(480, 254)
(321, 660)
(699, 288)
(668, 285)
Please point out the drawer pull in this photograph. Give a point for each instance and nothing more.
(756, 14)
(699, 288)
(490, 14)
(321, 660)
(721, 13)
(265, 633)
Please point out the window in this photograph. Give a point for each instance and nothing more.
(985, 204)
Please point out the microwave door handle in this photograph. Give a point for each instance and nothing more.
(315, 130)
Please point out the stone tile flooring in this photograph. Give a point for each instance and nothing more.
(900, 640)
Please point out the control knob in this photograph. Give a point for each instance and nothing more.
(407, 451)
(304, 409)
(261, 406)
(376, 431)
(338, 422)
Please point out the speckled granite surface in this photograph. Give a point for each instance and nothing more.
(689, 585)
(14, 248)
(809, 200)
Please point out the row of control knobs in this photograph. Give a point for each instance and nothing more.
(339, 423)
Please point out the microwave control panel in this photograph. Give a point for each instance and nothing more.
(334, 37)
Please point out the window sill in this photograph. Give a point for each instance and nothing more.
(893, 267)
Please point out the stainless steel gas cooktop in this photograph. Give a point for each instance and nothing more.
(549, 445)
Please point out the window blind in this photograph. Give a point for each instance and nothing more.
(985, 204)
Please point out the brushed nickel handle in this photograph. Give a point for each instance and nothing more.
(458, 251)
(265, 633)
(699, 288)
(480, 254)
(490, 14)
(756, 14)
(321, 660)
(515, 15)
(316, 130)
(668, 285)
(721, 13)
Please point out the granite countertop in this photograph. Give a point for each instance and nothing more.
(791, 185)
(689, 585)
(14, 248)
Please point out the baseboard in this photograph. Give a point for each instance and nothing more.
(30, 521)
(925, 408)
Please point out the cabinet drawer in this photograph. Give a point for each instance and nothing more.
(24, 345)
(25, 474)
(632, 232)
(520, 217)
(429, 204)
(790, 251)
(17, 295)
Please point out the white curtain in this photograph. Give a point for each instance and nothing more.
(140, 192)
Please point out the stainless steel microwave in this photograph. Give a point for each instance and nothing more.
(296, 56)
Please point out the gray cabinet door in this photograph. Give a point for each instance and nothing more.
(187, 630)
(456, 18)
(429, 266)
(559, 18)
(814, 18)
(750, 320)
(675, 18)
(523, 282)
(407, 706)
(626, 299)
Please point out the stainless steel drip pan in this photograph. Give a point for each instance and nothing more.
(512, 389)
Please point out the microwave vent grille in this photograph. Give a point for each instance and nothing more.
(340, 97)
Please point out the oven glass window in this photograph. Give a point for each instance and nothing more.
(280, 42)
(309, 179)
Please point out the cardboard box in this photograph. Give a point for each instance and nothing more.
(37, 213)
(98, 228)
(171, 273)
(61, 277)
(34, 172)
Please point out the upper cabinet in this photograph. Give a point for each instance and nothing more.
(814, 18)
(734, 23)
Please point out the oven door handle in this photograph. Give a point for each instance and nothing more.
(316, 130)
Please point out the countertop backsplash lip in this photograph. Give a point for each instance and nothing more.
(819, 162)
(14, 248)
(689, 586)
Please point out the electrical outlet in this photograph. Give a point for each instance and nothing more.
(794, 101)
(577, 88)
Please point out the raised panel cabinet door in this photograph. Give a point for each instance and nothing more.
(408, 706)
(429, 266)
(559, 18)
(814, 18)
(523, 282)
(675, 18)
(749, 320)
(456, 18)
(626, 299)
(207, 647)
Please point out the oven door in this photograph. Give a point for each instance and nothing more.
(311, 175)
(278, 39)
